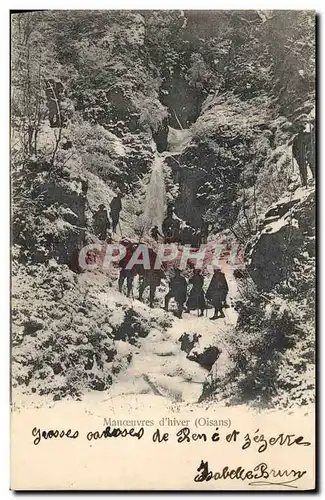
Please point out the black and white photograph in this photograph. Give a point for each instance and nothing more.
(163, 169)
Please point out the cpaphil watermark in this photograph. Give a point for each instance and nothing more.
(131, 255)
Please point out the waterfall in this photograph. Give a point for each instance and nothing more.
(154, 205)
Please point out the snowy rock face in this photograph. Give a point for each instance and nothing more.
(286, 233)
(54, 225)
(224, 141)
(73, 333)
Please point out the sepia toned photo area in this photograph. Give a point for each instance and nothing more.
(163, 210)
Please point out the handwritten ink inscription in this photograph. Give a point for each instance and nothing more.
(53, 434)
(183, 435)
(259, 475)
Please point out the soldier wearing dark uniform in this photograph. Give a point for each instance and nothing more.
(217, 293)
(127, 274)
(303, 147)
(204, 232)
(171, 229)
(116, 207)
(170, 210)
(196, 298)
(101, 222)
(177, 290)
(154, 233)
(167, 228)
(151, 278)
(170, 226)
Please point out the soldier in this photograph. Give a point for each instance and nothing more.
(167, 228)
(170, 226)
(116, 207)
(84, 186)
(204, 232)
(176, 230)
(151, 278)
(303, 151)
(127, 274)
(196, 238)
(177, 290)
(196, 298)
(154, 233)
(170, 210)
(217, 293)
(171, 229)
(101, 222)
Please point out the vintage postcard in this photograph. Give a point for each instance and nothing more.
(163, 250)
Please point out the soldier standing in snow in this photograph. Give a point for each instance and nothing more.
(127, 274)
(303, 151)
(204, 232)
(151, 278)
(101, 223)
(177, 290)
(116, 207)
(217, 293)
(196, 298)
(167, 227)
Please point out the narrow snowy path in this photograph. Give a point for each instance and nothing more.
(159, 367)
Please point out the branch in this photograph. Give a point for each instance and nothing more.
(236, 235)
(179, 123)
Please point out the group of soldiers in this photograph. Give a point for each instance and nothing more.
(101, 222)
(178, 290)
(197, 300)
(178, 286)
(175, 231)
(171, 226)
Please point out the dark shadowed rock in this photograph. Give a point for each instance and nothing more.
(160, 136)
(188, 341)
(33, 325)
(206, 357)
(288, 227)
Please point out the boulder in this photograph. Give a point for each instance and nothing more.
(205, 356)
(33, 325)
(188, 341)
(283, 235)
(199, 350)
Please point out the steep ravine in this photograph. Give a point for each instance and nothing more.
(195, 108)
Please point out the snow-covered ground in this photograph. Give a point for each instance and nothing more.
(159, 366)
(154, 365)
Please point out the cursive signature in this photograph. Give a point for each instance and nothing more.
(260, 475)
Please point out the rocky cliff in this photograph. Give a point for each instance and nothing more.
(285, 240)
(271, 352)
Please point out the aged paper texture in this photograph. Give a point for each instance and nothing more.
(163, 250)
